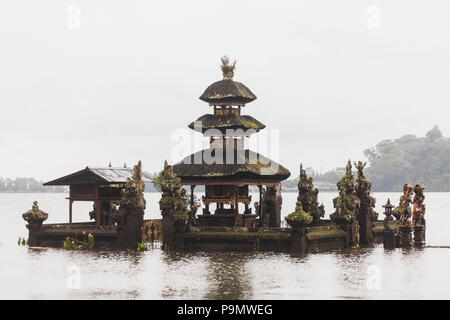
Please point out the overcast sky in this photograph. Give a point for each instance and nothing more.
(88, 82)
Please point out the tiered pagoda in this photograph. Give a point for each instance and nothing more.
(226, 168)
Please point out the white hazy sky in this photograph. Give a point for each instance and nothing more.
(335, 77)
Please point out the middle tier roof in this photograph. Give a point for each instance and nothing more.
(229, 121)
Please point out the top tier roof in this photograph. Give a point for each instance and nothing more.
(227, 91)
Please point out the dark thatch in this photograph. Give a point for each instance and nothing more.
(227, 90)
(97, 175)
(229, 121)
(245, 164)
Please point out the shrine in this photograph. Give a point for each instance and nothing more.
(227, 168)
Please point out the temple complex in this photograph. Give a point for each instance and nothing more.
(227, 168)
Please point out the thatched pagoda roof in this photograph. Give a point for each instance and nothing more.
(227, 91)
(247, 165)
(229, 121)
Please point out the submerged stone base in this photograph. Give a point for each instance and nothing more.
(326, 236)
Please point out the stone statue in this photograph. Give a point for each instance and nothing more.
(403, 211)
(227, 68)
(174, 205)
(271, 198)
(307, 196)
(132, 200)
(418, 206)
(366, 214)
(174, 200)
(346, 203)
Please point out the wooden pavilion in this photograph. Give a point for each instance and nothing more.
(101, 185)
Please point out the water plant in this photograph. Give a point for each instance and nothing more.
(87, 243)
(70, 244)
(141, 246)
(22, 241)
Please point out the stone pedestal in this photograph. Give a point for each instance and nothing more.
(388, 239)
(168, 231)
(130, 232)
(32, 236)
(298, 239)
(351, 231)
(365, 228)
(419, 236)
(35, 217)
(180, 229)
(405, 236)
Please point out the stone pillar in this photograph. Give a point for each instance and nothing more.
(130, 233)
(32, 234)
(388, 239)
(278, 202)
(168, 231)
(365, 227)
(299, 242)
(419, 236)
(178, 236)
(35, 218)
(405, 236)
(350, 228)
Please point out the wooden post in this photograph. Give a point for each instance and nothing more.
(191, 211)
(70, 211)
(260, 203)
(236, 199)
(97, 212)
(192, 193)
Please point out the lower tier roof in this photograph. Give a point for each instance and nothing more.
(212, 165)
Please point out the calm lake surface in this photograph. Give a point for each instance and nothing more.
(366, 273)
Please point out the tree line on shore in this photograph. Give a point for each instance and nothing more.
(392, 163)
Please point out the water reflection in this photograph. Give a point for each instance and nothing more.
(27, 273)
(228, 276)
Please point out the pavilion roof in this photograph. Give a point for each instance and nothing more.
(227, 91)
(97, 175)
(246, 164)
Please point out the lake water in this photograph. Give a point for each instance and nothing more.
(366, 273)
